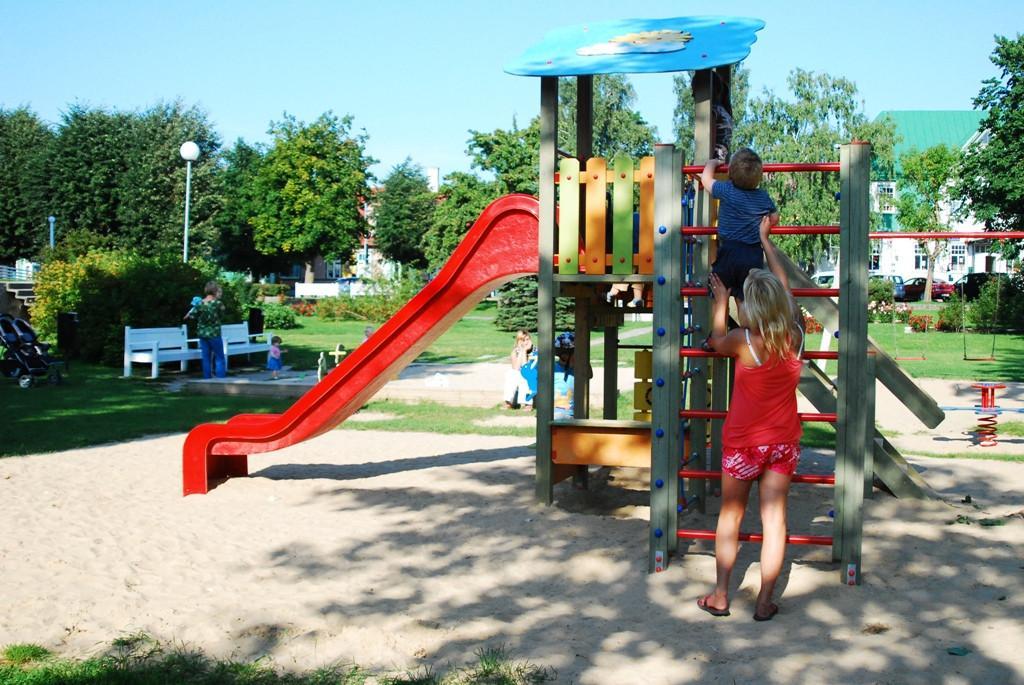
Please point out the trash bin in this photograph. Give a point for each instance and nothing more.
(255, 320)
(67, 334)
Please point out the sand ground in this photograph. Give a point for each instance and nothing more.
(395, 550)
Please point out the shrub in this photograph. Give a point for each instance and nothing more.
(111, 290)
(999, 305)
(278, 317)
(951, 316)
(811, 325)
(881, 290)
(272, 289)
(517, 307)
(304, 308)
(920, 323)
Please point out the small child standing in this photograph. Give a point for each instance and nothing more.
(274, 357)
(742, 204)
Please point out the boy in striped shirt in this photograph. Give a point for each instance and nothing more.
(741, 205)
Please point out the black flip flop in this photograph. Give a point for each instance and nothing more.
(702, 603)
(766, 617)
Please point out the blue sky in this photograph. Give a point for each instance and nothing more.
(417, 76)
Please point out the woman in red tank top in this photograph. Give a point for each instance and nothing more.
(761, 435)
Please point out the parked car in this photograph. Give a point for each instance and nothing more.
(913, 290)
(897, 284)
(969, 285)
(824, 279)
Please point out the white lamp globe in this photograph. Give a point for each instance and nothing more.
(189, 151)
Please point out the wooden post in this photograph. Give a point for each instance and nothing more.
(720, 375)
(544, 402)
(666, 436)
(869, 430)
(851, 439)
(593, 206)
(700, 306)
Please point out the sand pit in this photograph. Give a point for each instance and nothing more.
(396, 550)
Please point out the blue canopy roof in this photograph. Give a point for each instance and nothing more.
(637, 46)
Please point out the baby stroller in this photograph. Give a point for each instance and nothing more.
(23, 356)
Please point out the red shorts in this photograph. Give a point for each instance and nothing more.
(748, 463)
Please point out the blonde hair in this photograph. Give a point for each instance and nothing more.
(769, 311)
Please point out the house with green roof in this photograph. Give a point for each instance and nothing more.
(920, 130)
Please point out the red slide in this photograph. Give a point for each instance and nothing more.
(501, 246)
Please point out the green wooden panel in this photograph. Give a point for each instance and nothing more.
(622, 215)
(569, 216)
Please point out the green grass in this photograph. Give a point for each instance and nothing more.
(1014, 428)
(472, 339)
(434, 417)
(944, 353)
(95, 405)
(23, 654)
(138, 659)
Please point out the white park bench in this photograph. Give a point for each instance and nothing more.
(238, 340)
(155, 346)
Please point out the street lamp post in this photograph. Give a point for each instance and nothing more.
(190, 153)
(52, 220)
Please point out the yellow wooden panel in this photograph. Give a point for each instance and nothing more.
(645, 256)
(642, 363)
(596, 211)
(642, 395)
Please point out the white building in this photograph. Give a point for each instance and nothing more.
(920, 130)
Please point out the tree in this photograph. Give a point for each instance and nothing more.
(925, 187)
(311, 188)
(462, 198)
(513, 156)
(151, 189)
(25, 144)
(618, 128)
(683, 114)
(236, 249)
(118, 179)
(403, 214)
(823, 114)
(991, 179)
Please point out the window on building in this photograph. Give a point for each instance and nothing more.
(332, 269)
(920, 257)
(875, 259)
(957, 256)
(886, 197)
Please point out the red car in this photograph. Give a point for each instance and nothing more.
(913, 290)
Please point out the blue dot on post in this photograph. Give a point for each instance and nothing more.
(662, 230)
(660, 433)
(661, 280)
(658, 533)
(659, 483)
(661, 330)
(660, 382)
